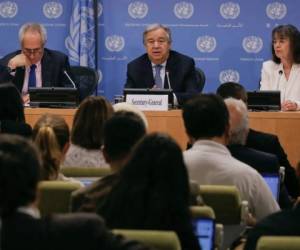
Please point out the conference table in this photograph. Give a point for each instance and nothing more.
(283, 124)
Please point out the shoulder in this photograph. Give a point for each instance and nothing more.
(54, 54)
(176, 55)
(255, 135)
(141, 59)
(270, 65)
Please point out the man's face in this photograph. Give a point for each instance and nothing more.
(157, 45)
(32, 47)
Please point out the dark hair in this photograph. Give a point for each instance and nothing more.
(11, 103)
(153, 190)
(19, 173)
(292, 33)
(205, 116)
(121, 132)
(51, 134)
(232, 89)
(87, 130)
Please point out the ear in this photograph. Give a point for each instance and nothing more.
(65, 148)
(105, 154)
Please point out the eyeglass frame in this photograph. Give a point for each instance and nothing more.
(35, 51)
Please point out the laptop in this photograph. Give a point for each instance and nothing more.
(273, 182)
(264, 100)
(56, 97)
(205, 232)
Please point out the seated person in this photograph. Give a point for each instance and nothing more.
(21, 224)
(153, 191)
(262, 141)
(161, 67)
(121, 132)
(12, 118)
(51, 135)
(87, 133)
(34, 65)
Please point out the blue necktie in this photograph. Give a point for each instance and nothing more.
(157, 77)
(32, 78)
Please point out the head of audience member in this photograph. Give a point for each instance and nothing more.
(11, 103)
(87, 129)
(121, 132)
(124, 106)
(232, 89)
(33, 37)
(153, 190)
(51, 135)
(286, 43)
(19, 173)
(157, 41)
(238, 117)
(206, 117)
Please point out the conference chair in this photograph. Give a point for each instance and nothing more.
(87, 80)
(200, 78)
(85, 171)
(160, 240)
(55, 196)
(278, 243)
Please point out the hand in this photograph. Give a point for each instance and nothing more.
(18, 61)
(289, 106)
(26, 99)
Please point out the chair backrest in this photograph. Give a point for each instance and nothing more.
(278, 243)
(55, 196)
(86, 79)
(200, 78)
(225, 201)
(202, 212)
(160, 240)
(85, 171)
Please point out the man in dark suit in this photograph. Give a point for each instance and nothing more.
(21, 225)
(265, 142)
(162, 67)
(34, 65)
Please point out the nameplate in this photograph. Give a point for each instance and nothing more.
(148, 102)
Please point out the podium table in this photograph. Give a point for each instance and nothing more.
(283, 124)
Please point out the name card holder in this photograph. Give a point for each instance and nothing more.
(148, 102)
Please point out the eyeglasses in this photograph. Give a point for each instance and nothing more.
(28, 52)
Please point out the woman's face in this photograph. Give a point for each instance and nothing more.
(282, 47)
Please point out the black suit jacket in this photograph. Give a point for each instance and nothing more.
(72, 231)
(284, 223)
(270, 143)
(53, 63)
(181, 70)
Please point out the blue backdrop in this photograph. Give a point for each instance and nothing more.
(229, 40)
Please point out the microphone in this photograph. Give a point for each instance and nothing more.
(280, 72)
(168, 79)
(70, 79)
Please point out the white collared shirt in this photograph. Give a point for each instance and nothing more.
(38, 76)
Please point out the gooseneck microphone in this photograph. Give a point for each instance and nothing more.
(168, 79)
(280, 72)
(70, 79)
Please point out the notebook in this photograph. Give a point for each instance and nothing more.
(273, 182)
(205, 232)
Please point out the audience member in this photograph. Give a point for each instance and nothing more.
(206, 120)
(153, 191)
(21, 225)
(35, 65)
(283, 71)
(265, 142)
(161, 67)
(12, 118)
(87, 133)
(51, 135)
(121, 132)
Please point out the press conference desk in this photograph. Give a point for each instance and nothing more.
(283, 124)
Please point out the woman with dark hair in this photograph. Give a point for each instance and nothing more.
(283, 71)
(87, 133)
(153, 191)
(12, 118)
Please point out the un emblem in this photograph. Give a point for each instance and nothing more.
(230, 10)
(252, 44)
(183, 10)
(276, 10)
(52, 10)
(8, 9)
(206, 44)
(100, 9)
(229, 75)
(114, 43)
(138, 10)
(100, 75)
